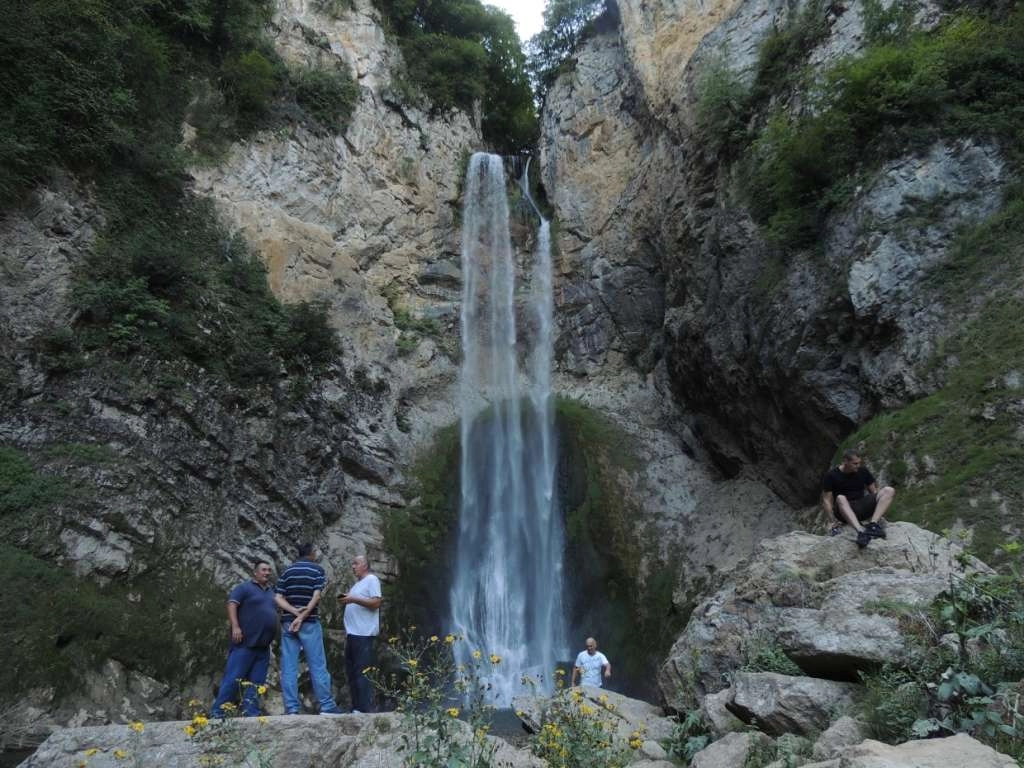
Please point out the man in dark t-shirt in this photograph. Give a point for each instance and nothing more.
(252, 614)
(851, 495)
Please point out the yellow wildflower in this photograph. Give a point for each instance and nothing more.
(433, 638)
(120, 754)
(449, 639)
(477, 654)
(189, 730)
(635, 743)
(495, 658)
(91, 751)
(413, 663)
(137, 726)
(194, 702)
(392, 640)
(453, 711)
(227, 706)
(261, 690)
(262, 719)
(200, 721)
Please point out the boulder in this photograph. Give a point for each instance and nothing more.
(730, 751)
(628, 715)
(818, 601)
(779, 704)
(844, 732)
(718, 717)
(350, 741)
(959, 751)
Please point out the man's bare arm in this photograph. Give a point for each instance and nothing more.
(236, 628)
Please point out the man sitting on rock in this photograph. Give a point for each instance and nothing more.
(851, 495)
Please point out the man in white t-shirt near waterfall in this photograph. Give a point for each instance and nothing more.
(591, 666)
(362, 625)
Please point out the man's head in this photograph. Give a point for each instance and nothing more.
(851, 461)
(307, 551)
(360, 566)
(591, 646)
(261, 571)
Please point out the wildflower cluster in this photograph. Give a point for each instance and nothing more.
(579, 732)
(135, 731)
(420, 676)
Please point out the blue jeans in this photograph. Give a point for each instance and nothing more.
(249, 664)
(310, 640)
(359, 656)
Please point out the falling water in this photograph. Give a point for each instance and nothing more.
(506, 594)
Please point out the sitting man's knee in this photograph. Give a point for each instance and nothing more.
(887, 491)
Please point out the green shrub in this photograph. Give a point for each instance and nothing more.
(764, 655)
(22, 489)
(329, 96)
(966, 78)
(71, 626)
(893, 701)
(250, 82)
(567, 23)
(461, 54)
(722, 106)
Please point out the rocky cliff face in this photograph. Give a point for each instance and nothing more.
(771, 364)
(171, 468)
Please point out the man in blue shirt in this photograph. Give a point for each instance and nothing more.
(252, 614)
(298, 594)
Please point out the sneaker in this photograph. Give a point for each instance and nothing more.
(835, 530)
(875, 530)
(863, 539)
(331, 713)
(356, 712)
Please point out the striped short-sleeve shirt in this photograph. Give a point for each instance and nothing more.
(298, 583)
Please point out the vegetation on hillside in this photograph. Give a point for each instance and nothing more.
(464, 54)
(567, 23)
(905, 90)
(970, 651)
(100, 87)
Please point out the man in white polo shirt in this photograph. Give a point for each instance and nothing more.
(592, 666)
(362, 624)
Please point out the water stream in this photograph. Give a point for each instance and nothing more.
(507, 589)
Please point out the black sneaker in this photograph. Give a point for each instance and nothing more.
(875, 530)
(863, 539)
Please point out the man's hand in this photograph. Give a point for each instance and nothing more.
(607, 673)
(236, 635)
(296, 624)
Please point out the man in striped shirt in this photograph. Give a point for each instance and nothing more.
(298, 594)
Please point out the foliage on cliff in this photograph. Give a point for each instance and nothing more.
(100, 87)
(906, 89)
(461, 54)
(567, 23)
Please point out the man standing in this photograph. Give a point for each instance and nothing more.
(591, 665)
(253, 618)
(851, 495)
(362, 624)
(298, 595)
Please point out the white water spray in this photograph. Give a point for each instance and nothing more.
(506, 594)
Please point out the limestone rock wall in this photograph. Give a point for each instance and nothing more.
(769, 366)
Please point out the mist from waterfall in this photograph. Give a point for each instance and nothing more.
(507, 589)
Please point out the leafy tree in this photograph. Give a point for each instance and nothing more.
(566, 24)
(462, 54)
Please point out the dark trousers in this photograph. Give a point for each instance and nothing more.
(359, 656)
(248, 666)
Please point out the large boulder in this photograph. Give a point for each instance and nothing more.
(779, 704)
(960, 751)
(818, 600)
(351, 741)
(731, 750)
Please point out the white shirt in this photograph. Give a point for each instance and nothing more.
(359, 620)
(591, 667)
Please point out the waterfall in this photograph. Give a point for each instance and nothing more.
(506, 594)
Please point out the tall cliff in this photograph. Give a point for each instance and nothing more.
(669, 149)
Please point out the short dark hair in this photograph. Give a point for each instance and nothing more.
(306, 549)
(851, 453)
(260, 561)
